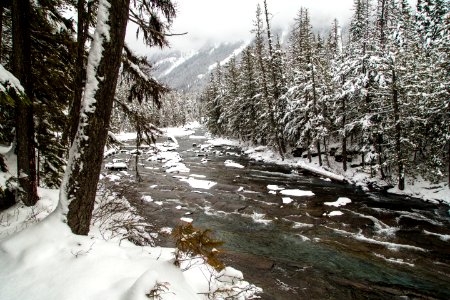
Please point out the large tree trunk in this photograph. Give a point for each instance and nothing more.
(26, 160)
(78, 189)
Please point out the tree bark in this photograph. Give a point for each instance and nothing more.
(80, 74)
(26, 160)
(78, 189)
(344, 138)
(138, 144)
(398, 129)
(1, 29)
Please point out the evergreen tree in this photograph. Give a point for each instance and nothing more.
(249, 104)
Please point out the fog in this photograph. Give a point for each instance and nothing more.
(215, 21)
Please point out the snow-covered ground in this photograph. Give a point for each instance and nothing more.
(41, 259)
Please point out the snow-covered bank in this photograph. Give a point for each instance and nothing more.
(420, 189)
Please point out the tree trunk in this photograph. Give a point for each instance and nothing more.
(309, 151)
(138, 143)
(379, 148)
(78, 189)
(327, 158)
(80, 74)
(26, 160)
(398, 148)
(1, 29)
(319, 153)
(344, 138)
(275, 89)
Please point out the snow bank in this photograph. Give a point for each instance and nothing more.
(425, 190)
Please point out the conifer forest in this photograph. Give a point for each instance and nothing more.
(379, 91)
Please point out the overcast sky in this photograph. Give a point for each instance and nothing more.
(232, 20)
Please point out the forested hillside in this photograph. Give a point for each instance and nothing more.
(379, 98)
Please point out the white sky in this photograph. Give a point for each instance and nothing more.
(232, 20)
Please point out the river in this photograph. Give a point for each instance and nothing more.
(381, 246)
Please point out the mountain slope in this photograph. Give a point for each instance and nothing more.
(188, 71)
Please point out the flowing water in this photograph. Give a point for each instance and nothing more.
(381, 247)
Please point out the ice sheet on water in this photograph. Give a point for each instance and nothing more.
(231, 164)
(199, 183)
(287, 200)
(178, 168)
(297, 193)
(334, 213)
(274, 187)
(197, 176)
(341, 201)
(147, 198)
(187, 220)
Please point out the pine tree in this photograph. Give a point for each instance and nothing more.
(250, 104)
(274, 92)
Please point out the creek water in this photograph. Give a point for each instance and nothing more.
(382, 246)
